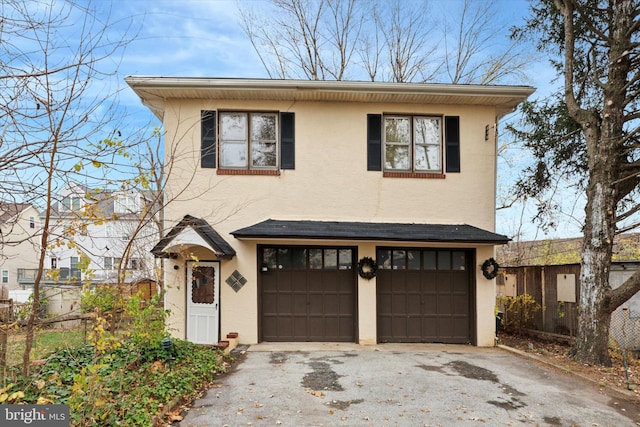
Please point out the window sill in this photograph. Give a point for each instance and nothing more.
(413, 175)
(247, 172)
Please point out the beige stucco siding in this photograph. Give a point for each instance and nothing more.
(330, 182)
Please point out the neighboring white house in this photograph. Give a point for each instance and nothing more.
(101, 225)
(329, 210)
(89, 231)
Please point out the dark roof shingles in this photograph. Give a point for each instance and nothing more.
(370, 231)
(203, 228)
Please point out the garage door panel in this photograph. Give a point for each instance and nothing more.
(316, 328)
(414, 328)
(270, 322)
(429, 282)
(312, 295)
(461, 326)
(315, 304)
(269, 284)
(399, 302)
(284, 326)
(460, 283)
(314, 281)
(384, 326)
(444, 304)
(384, 304)
(284, 303)
(460, 305)
(331, 307)
(429, 327)
(414, 305)
(429, 301)
(430, 306)
(399, 326)
(298, 303)
(346, 301)
(347, 327)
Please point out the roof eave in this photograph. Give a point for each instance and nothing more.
(374, 239)
(153, 90)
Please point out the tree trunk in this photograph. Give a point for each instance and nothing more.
(594, 315)
(603, 131)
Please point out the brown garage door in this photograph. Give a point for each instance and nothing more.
(307, 294)
(424, 295)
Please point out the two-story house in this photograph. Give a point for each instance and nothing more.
(89, 231)
(329, 210)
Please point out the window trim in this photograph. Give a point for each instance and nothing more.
(412, 146)
(5, 277)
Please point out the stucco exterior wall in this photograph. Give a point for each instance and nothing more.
(330, 182)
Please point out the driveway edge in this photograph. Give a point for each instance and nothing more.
(618, 390)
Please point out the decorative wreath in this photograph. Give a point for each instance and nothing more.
(367, 268)
(490, 268)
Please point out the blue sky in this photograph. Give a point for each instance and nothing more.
(203, 38)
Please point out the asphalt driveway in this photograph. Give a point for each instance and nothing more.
(402, 385)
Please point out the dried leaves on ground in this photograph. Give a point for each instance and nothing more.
(624, 372)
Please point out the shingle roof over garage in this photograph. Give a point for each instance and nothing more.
(369, 231)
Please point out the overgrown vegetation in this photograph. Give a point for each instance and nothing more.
(124, 378)
(127, 385)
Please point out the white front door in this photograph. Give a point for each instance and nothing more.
(203, 289)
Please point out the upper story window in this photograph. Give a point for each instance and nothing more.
(72, 203)
(413, 143)
(248, 140)
(125, 203)
(413, 146)
(32, 222)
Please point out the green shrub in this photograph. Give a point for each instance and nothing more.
(518, 312)
(123, 386)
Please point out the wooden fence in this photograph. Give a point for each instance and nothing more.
(557, 289)
(554, 287)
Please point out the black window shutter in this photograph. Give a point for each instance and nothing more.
(452, 142)
(287, 141)
(208, 139)
(374, 142)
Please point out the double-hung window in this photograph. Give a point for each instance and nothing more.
(413, 144)
(248, 140)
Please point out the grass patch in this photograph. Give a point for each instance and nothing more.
(46, 342)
